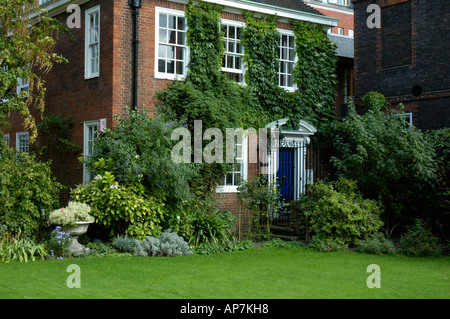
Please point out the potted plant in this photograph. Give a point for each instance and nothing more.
(74, 219)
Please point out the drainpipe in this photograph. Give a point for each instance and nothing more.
(135, 5)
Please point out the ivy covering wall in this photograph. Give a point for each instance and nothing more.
(207, 94)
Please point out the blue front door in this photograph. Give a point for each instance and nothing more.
(285, 174)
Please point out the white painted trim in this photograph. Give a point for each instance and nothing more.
(6, 138)
(234, 188)
(87, 73)
(289, 33)
(86, 126)
(162, 75)
(18, 135)
(244, 5)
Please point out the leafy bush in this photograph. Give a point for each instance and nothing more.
(210, 248)
(209, 228)
(321, 243)
(168, 244)
(20, 249)
(377, 244)
(279, 243)
(58, 244)
(419, 241)
(337, 210)
(262, 199)
(391, 161)
(74, 212)
(125, 244)
(138, 152)
(123, 209)
(27, 191)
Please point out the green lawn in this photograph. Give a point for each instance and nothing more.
(256, 273)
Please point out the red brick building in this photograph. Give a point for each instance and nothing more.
(99, 80)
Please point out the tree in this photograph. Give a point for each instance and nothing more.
(27, 40)
(391, 160)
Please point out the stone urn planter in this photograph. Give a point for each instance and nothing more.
(75, 231)
(75, 220)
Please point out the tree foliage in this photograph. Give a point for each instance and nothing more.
(26, 51)
(391, 161)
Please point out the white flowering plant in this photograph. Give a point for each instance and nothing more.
(74, 212)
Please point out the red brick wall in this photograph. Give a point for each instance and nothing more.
(345, 19)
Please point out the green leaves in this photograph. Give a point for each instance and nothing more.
(27, 191)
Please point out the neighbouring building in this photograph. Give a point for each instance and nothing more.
(402, 51)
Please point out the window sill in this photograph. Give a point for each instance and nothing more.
(227, 189)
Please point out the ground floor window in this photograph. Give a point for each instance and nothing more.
(90, 134)
(22, 141)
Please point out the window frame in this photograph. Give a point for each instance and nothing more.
(87, 176)
(289, 34)
(185, 60)
(19, 147)
(88, 74)
(227, 40)
(7, 139)
(223, 188)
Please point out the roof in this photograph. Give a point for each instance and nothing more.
(345, 45)
(297, 5)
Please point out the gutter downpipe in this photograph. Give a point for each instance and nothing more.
(135, 4)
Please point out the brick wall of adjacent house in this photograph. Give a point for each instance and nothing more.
(423, 50)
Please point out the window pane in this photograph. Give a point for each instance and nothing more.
(171, 67)
(163, 35)
(162, 66)
(163, 20)
(172, 36)
(172, 22)
(162, 51)
(180, 67)
(181, 23)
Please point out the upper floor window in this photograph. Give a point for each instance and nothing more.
(22, 85)
(22, 141)
(171, 44)
(287, 60)
(339, 2)
(233, 63)
(92, 45)
(6, 138)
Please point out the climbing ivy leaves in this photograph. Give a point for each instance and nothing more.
(314, 72)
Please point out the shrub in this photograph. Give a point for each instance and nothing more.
(138, 152)
(210, 248)
(58, 244)
(20, 249)
(419, 241)
(168, 244)
(279, 243)
(209, 228)
(74, 212)
(337, 210)
(27, 191)
(321, 243)
(123, 209)
(378, 244)
(125, 244)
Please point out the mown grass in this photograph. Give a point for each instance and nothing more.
(257, 273)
